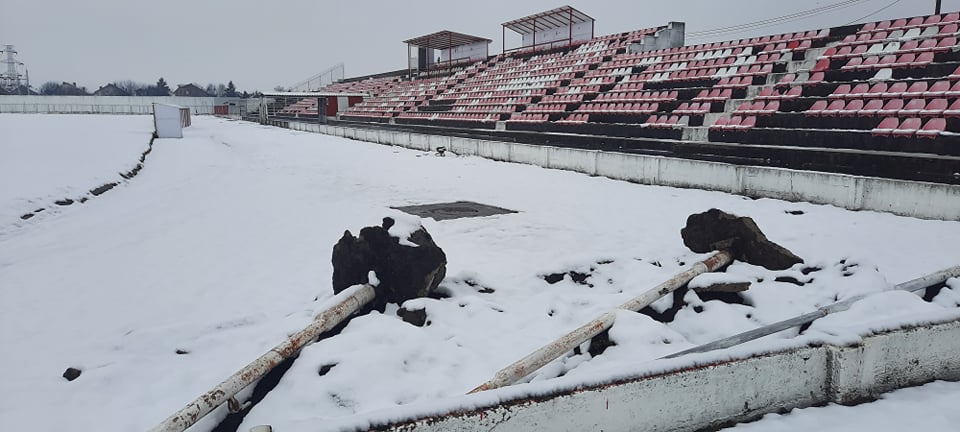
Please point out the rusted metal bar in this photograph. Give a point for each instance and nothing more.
(757, 333)
(548, 353)
(350, 301)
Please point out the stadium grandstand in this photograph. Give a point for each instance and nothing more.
(875, 98)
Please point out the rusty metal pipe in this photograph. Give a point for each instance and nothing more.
(840, 306)
(569, 341)
(350, 301)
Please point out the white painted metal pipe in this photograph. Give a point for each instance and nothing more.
(737, 339)
(350, 301)
(548, 353)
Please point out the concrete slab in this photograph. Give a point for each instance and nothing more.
(453, 210)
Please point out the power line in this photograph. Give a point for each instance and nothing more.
(874, 12)
(775, 20)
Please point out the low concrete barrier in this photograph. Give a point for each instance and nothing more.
(901, 197)
(722, 393)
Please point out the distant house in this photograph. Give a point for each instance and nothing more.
(110, 90)
(190, 90)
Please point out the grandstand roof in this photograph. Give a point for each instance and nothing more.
(444, 39)
(551, 19)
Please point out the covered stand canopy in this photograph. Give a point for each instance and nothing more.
(455, 48)
(556, 27)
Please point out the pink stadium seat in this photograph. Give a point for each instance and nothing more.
(885, 61)
(948, 29)
(816, 109)
(933, 128)
(868, 27)
(829, 52)
(951, 17)
(852, 109)
(843, 51)
(720, 123)
(891, 108)
(932, 20)
(938, 89)
(904, 60)
(899, 23)
(910, 45)
(954, 90)
(946, 44)
(896, 90)
(834, 108)
(871, 108)
(840, 92)
(767, 93)
(787, 80)
(769, 109)
(879, 89)
(822, 65)
(794, 92)
(916, 89)
(886, 126)
(853, 63)
(934, 108)
(815, 78)
(908, 127)
(859, 90)
(953, 111)
(913, 108)
(747, 123)
(922, 60)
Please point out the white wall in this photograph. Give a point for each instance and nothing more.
(101, 104)
(707, 396)
(581, 32)
(474, 51)
(901, 197)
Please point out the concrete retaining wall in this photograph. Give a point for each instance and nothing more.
(718, 394)
(901, 197)
(104, 104)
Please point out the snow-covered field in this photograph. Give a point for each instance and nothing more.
(221, 247)
(44, 161)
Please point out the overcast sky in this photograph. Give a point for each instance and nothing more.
(261, 44)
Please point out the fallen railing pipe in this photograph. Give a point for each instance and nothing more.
(351, 300)
(548, 353)
(912, 285)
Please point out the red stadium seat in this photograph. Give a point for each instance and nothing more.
(896, 90)
(858, 91)
(891, 108)
(834, 108)
(933, 128)
(938, 89)
(934, 108)
(916, 89)
(953, 111)
(886, 126)
(721, 123)
(871, 108)
(908, 127)
(840, 92)
(913, 108)
(816, 109)
(879, 89)
(922, 60)
(852, 109)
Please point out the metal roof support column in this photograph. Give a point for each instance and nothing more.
(534, 46)
(570, 27)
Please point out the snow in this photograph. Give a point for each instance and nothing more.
(932, 407)
(43, 162)
(221, 247)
